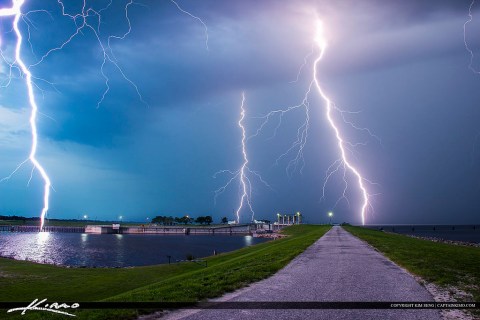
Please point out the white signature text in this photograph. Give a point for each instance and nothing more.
(40, 305)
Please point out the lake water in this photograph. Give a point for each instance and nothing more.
(114, 250)
(465, 233)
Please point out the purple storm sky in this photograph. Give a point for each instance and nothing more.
(402, 65)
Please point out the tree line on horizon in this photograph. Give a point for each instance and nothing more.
(163, 220)
(169, 220)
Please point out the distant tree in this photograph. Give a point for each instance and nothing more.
(200, 220)
(208, 220)
(224, 220)
(159, 220)
(169, 220)
(186, 220)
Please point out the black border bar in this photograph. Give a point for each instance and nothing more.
(258, 305)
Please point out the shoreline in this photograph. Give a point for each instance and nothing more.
(176, 282)
(440, 240)
(80, 261)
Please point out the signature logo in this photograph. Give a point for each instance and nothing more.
(40, 305)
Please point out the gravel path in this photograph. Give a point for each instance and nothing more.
(337, 267)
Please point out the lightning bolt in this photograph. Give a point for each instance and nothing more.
(470, 51)
(246, 190)
(81, 21)
(108, 56)
(16, 12)
(343, 163)
(84, 22)
(196, 18)
(89, 19)
(322, 44)
(302, 133)
(241, 174)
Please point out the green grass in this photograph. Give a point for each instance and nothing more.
(440, 263)
(25, 281)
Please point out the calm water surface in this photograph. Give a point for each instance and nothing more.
(114, 250)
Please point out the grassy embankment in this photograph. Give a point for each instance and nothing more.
(443, 264)
(25, 281)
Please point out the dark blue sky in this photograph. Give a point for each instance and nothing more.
(401, 64)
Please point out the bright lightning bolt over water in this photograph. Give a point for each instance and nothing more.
(246, 190)
(16, 12)
(241, 174)
(340, 141)
(89, 19)
(87, 13)
(298, 146)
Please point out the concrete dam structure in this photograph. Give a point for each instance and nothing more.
(243, 229)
